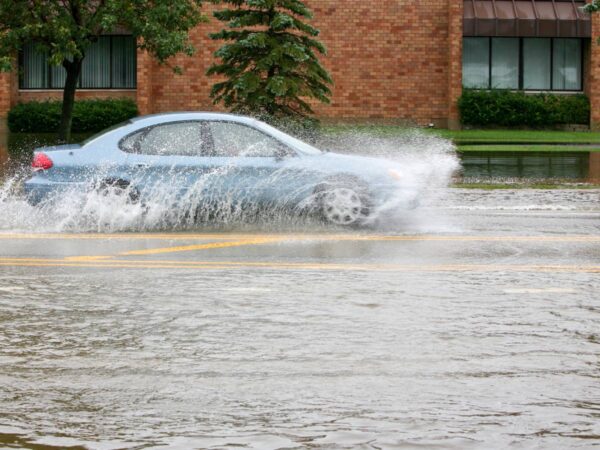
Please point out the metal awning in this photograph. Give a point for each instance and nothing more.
(548, 18)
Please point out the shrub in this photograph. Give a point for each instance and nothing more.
(89, 116)
(514, 109)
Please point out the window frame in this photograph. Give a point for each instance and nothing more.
(521, 65)
(205, 123)
(288, 151)
(143, 132)
(110, 62)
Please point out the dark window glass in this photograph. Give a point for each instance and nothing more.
(110, 63)
(566, 73)
(522, 63)
(95, 70)
(476, 62)
(123, 62)
(505, 63)
(36, 75)
(537, 63)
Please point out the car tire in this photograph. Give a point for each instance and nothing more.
(343, 201)
(119, 187)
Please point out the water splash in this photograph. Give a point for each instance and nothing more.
(219, 199)
(428, 164)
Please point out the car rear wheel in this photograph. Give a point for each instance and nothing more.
(119, 188)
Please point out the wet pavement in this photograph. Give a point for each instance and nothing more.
(473, 322)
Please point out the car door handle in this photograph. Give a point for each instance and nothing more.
(142, 166)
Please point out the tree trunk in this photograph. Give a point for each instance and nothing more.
(73, 69)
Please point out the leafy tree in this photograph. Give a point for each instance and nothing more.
(270, 62)
(65, 29)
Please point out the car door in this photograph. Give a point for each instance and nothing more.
(169, 158)
(254, 166)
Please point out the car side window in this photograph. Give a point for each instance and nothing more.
(232, 139)
(128, 143)
(170, 139)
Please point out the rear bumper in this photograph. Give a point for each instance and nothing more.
(37, 190)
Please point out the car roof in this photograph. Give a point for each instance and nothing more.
(137, 123)
(153, 119)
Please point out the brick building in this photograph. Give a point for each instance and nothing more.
(391, 60)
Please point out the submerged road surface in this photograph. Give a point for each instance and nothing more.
(479, 327)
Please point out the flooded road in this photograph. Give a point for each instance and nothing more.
(472, 322)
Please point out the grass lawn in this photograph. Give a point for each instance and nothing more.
(520, 136)
(531, 185)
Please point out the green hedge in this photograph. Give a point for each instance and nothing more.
(89, 116)
(518, 109)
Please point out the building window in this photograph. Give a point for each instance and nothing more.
(476, 63)
(566, 73)
(505, 63)
(110, 63)
(537, 64)
(542, 64)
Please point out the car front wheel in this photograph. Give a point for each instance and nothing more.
(344, 204)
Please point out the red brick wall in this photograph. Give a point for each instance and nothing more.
(389, 60)
(593, 77)
(396, 60)
(8, 93)
(455, 38)
(26, 96)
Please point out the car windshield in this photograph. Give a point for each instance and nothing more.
(106, 130)
(290, 140)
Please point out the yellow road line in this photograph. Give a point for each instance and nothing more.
(232, 265)
(189, 248)
(291, 237)
(87, 258)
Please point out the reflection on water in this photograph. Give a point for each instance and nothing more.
(594, 169)
(532, 165)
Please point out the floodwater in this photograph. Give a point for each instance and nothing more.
(470, 322)
(573, 166)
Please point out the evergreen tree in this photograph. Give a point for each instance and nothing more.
(270, 62)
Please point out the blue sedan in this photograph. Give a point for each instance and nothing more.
(211, 159)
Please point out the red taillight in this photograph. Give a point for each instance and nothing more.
(41, 161)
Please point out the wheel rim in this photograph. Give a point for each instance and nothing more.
(342, 206)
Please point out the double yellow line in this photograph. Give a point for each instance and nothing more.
(239, 240)
(275, 265)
